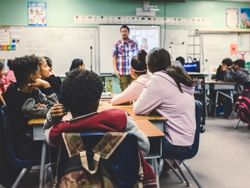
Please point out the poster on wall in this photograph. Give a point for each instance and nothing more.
(245, 17)
(37, 14)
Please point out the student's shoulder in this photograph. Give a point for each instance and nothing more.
(114, 112)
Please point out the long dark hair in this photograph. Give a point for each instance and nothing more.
(158, 59)
(76, 63)
(179, 77)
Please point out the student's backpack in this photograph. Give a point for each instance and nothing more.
(242, 106)
(100, 161)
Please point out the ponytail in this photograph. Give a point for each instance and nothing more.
(179, 77)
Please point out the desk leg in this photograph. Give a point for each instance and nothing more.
(42, 165)
(156, 170)
(216, 101)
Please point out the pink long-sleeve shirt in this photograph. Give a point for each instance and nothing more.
(132, 92)
(162, 94)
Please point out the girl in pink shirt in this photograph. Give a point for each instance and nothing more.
(169, 92)
(6, 78)
(138, 72)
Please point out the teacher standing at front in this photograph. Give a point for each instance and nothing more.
(123, 52)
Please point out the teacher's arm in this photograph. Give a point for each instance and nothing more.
(115, 66)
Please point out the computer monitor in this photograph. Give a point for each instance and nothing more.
(192, 67)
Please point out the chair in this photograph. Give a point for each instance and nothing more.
(14, 161)
(124, 162)
(192, 152)
(242, 106)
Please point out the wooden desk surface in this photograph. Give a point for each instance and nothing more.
(149, 129)
(105, 105)
(142, 122)
(36, 121)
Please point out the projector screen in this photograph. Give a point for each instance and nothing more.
(147, 37)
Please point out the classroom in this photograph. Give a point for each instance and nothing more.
(124, 93)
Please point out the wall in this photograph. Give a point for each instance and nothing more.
(61, 12)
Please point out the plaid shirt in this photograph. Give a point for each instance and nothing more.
(124, 51)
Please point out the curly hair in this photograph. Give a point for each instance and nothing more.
(23, 67)
(81, 91)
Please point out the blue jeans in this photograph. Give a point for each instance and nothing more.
(173, 152)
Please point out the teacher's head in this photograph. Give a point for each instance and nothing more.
(158, 59)
(124, 30)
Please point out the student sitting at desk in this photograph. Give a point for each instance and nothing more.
(170, 92)
(138, 72)
(6, 78)
(81, 92)
(223, 102)
(222, 69)
(47, 75)
(25, 101)
(238, 74)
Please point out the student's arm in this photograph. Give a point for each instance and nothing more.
(228, 75)
(115, 66)
(128, 95)
(2, 100)
(149, 99)
(240, 76)
(32, 110)
(54, 116)
(143, 142)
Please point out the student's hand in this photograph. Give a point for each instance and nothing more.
(40, 106)
(57, 111)
(117, 74)
(39, 83)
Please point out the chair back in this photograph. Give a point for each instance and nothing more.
(12, 158)
(123, 163)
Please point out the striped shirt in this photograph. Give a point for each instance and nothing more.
(124, 51)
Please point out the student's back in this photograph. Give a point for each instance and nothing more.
(170, 92)
(165, 97)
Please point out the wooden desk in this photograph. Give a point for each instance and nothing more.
(105, 105)
(144, 125)
(220, 85)
(221, 88)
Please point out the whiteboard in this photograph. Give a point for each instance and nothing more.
(110, 34)
(216, 47)
(61, 44)
(176, 42)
